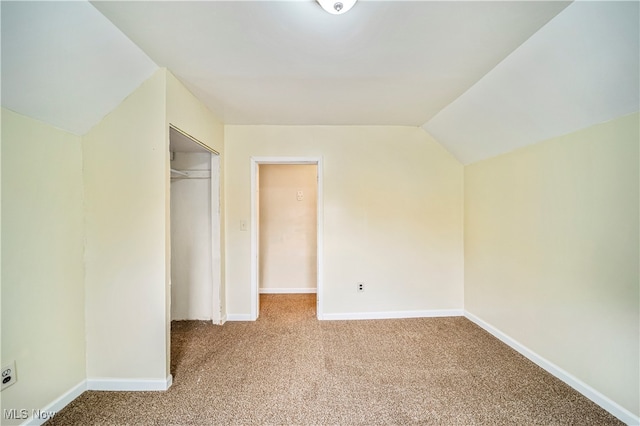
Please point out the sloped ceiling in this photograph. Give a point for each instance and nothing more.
(65, 64)
(276, 62)
(580, 69)
(482, 77)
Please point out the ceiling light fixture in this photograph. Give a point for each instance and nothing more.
(336, 7)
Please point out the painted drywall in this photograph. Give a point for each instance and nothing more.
(288, 217)
(191, 262)
(128, 248)
(579, 69)
(126, 199)
(189, 114)
(42, 267)
(551, 253)
(392, 215)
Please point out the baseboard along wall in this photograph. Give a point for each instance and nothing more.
(239, 317)
(287, 290)
(110, 384)
(393, 314)
(611, 406)
(39, 417)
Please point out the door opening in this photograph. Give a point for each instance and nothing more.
(286, 228)
(196, 292)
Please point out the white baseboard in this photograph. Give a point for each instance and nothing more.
(39, 417)
(239, 317)
(49, 411)
(287, 290)
(109, 384)
(612, 407)
(393, 314)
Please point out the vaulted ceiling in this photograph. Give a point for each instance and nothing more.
(64, 63)
(482, 77)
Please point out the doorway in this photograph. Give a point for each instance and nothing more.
(286, 256)
(287, 228)
(196, 292)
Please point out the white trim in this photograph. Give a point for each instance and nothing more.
(58, 404)
(255, 162)
(612, 407)
(254, 244)
(216, 240)
(320, 240)
(395, 314)
(110, 384)
(287, 290)
(240, 317)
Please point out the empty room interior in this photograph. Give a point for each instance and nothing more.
(320, 212)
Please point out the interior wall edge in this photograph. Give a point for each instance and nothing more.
(126, 384)
(57, 405)
(432, 313)
(125, 221)
(603, 401)
(42, 261)
(239, 317)
(446, 150)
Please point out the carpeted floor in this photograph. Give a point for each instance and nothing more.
(288, 368)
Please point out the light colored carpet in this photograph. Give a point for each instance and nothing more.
(288, 368)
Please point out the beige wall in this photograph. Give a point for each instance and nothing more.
(551, 253)
(392, 215)
(551, 239)
(287, 227)
(42, 270)
(126, 185)
(127, 208)
(188, 114)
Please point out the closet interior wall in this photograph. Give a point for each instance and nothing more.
(191, 248)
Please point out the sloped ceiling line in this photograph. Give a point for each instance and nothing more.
(65, 64)
(580, 69)
(482, 77)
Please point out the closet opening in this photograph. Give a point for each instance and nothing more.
(286, 228)
(196, 292)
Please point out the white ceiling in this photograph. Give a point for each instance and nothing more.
(65, 64)
(274, 62)
(581, 69)
(484, 77)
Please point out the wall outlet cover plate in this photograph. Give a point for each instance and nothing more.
(9, 375)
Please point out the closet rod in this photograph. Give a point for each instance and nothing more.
(180, 177)
(179, 172)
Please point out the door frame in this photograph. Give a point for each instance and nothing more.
(218, 302)
(218, 316)
(255, 163)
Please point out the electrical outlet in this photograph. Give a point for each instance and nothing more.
(360, 287)
(9, 375)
